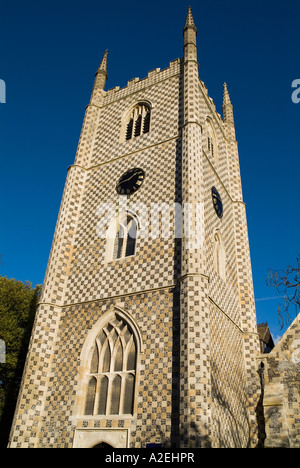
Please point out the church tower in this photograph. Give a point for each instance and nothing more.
(146, 328)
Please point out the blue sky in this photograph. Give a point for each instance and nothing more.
(49, 54)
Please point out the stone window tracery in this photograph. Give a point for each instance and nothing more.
(122, 236)
(139, 121)
(112, 371)
(125, 240)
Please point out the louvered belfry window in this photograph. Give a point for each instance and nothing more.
(139, 122)
(111, 378)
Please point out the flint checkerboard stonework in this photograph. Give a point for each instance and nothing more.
(281, 396)
(196, 377)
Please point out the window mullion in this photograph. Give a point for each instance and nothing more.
(125, 238)
(97, 396)
(108, 387)
(126, 351)
(108, 397)
(121, 407)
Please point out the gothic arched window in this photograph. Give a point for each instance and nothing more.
(212, 141)
(112, 370)
(125, 239)
(219, 255)
(138, 122)
(122, 236)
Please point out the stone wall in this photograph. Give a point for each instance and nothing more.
(281, 402)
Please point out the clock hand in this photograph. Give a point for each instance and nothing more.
(127, 180)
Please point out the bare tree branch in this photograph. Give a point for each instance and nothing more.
(287, 284)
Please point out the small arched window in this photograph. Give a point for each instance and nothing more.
(122, 236)
(138, 122)
(219, 255)
(112, 371)
(212, 142)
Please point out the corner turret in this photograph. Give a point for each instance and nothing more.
(101, 73)
(228, 114)
(190, 34)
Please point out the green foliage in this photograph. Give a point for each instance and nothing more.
(18, 303)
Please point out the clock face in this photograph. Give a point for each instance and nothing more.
(130, 182)
(217, 201)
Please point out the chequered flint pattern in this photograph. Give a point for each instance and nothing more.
(180, 371)
(90, 277)
(230, 427)
(157, 382)
(164, 98)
